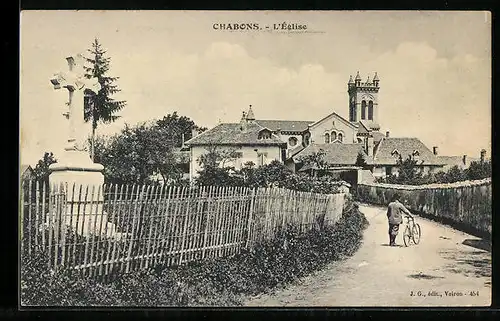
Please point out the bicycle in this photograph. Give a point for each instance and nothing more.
(412, 231)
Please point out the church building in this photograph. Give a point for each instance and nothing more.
(262, 141)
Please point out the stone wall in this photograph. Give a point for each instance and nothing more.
(464, 203)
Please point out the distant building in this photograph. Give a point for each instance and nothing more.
(262, 141)
(462, 162)
(247, 141)
(26, 172)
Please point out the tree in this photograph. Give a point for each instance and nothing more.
(100, 107)
(360, 160)
(317, 160)
(177, 128)
(41, 171)
(479, 170)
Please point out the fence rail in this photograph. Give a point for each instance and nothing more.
(101, 230)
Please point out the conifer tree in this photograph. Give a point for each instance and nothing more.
(101, 107)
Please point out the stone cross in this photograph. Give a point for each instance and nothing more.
(76, 83)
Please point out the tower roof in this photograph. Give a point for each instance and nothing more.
(250, 115)
(350, 80)
(358, 77)
(375, 78)
(368, 80)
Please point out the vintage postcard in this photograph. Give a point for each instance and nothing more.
(255, 158)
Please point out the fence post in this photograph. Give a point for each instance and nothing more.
(250, 218)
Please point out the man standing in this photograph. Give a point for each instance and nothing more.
(395, 212)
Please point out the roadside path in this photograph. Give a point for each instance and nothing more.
(380, 275)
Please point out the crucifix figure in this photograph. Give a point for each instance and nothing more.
(76, 83)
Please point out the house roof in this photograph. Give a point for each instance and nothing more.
(285, 125)
(232, 134)
(336, 153)
(370, 124)
(405, 146)
(377, 136)
(24, 168)
(452, 160)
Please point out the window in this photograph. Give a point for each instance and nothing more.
(292, 141)
(327, 138)
(264, 134)
(360, 140)
(395, 153)
(370, 110)
(261, 158)
(334, 136)
(333, 123)
(363, 109)
(340, 137)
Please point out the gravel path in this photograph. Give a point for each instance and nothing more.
(447, 267)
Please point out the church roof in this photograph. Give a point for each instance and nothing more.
(336, 153)
(348, 123)
(370, 124)
(404, 146)
(285, 125)
(231, 134)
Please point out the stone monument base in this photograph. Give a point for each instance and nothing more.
(84, 215)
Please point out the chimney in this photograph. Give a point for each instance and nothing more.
(435, 150)
(194, 133)
(387, 134)
(464, 160)
(483, 154)
(369, 146)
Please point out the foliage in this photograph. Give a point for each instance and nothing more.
(317, 161)
(216, 282)
(101, 107)
(360, 160)
(410, 175)
(176, 128)
(479, 170)
(138, 153)
(41, 171)
(274, 174)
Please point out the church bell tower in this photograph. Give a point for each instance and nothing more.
(363, 100)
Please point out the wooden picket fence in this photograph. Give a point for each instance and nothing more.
(111, 229)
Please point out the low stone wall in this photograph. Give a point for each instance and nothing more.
(464, 203)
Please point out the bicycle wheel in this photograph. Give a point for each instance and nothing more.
(416, 233)
(407, 236)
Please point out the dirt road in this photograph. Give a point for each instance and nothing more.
(447, 268)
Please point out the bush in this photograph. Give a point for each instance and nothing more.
(216, 282)
(274, 174)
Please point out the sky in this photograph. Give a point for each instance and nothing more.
(434, 70)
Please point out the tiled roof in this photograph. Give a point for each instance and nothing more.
(231, 134)
(336, 153)
(404, 146)
(452, 160)
(377, 136)
(370, 124)
(284, 125)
